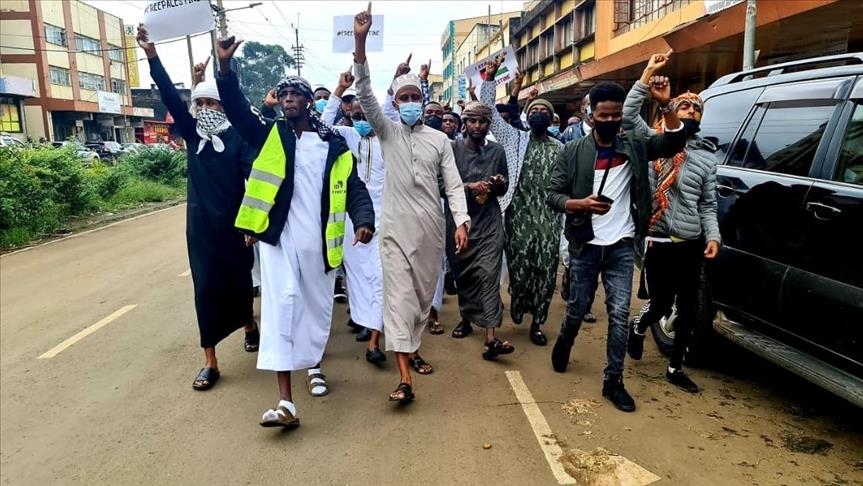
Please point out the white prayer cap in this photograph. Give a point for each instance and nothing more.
(405, 80)
(206, 89)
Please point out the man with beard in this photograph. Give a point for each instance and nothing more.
(532, 228)
(601, 183)
(683, 229)
(412, 226)
(482, 166)
(301, 186)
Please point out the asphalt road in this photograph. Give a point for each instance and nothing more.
(116, 406)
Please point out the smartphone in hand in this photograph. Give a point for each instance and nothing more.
(604, 199)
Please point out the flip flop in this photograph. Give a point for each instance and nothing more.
(206, 379)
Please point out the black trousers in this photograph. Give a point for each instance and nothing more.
(672, 272)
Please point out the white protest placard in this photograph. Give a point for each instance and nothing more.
(343, 34)
(505, 73)
(168, 19)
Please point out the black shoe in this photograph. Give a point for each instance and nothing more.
(375, 356)
(340, 295)
(560, 354)
(364, 335)
(564, 285)
(449, 284)
(635, 344)
(613, 390)
(680, 379)
(537, 336)
(354, 326)
(589, 318)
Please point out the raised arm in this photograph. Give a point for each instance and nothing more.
(380, 124)
(167, 92)
(503, 132)
(632, 110)
(673, 138)
(252, 127)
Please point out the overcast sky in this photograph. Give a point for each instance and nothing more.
(409, 27)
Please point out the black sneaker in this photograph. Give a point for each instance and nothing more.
(679, 378)
(635, 344)
(589, 318)
(354, 326)
(560, 354)
(339, 293)
(612, 389)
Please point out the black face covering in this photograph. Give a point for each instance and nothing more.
(607, 130)
(691, 127)
(539, 122)
(434, 121)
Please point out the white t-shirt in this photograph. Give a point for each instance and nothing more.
(617, 223)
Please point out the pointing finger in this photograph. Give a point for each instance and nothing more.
(409, 58)
(369, 9)
(669, 53)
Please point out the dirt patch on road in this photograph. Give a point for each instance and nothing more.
(600, 467)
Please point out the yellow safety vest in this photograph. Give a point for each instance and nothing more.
(265, 179)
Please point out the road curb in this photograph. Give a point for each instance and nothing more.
(97, 223)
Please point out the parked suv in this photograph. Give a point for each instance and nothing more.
(788, 282)
(107, 150)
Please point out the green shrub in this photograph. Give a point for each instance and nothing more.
(139, 190)
(156, 164)
(106, 181)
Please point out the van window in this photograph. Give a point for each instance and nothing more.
(850, 167)
(785, 138)
(723, 116)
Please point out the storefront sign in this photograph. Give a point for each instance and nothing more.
(131, 55)
(110, 102)
(713, 6)
(143, 112)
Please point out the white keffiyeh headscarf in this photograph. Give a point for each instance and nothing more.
(210, 122)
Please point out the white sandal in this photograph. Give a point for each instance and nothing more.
(317, 381)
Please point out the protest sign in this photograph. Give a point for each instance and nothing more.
(343, 34)
(168, 19)
(505, 73)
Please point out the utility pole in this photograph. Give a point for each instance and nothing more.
(191, 58)
(749, 36)
(219, 11)
(298, 48)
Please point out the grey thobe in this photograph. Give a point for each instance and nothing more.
(412, 224)
(478, 269)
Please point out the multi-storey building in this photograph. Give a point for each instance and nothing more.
(566, 46)
(73, 57)
(452, 40)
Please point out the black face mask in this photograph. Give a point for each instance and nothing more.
(434, 121)
(539, 122)
(691, 127)
(607, 130)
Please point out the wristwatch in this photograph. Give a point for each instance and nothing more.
(666, 108)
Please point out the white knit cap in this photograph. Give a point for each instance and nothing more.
(405, 80)
(206, 89)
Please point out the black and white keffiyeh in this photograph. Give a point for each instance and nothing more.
(296, 83)
(210, 124)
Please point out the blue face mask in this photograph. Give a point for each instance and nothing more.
(554, 130)
(362, 127)
(320, 105)
(410, 112)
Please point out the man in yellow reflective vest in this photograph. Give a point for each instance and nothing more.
(301, 186)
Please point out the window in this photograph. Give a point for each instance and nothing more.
(115, 53)
(87, 44)
(533, 53)
(565, 35)
(118, 86)
(546, 45)
(850, 167)
(55, 35)
(92, 82)
(631, 14)
(10, 115)
(585, 21)
(59, 76)
(786, 138)
(723, 116)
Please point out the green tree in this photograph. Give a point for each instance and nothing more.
(260, 67)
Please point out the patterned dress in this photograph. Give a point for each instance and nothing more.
(533, 234)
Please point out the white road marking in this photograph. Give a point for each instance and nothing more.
(86, 332)
(100, 228)
(186, 273)
(540, 427)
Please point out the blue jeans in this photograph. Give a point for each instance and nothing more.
(616, 263)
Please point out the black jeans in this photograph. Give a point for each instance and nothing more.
(672, 272)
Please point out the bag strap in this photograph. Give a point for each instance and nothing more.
(604, 177)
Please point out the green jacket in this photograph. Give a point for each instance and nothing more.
(574, 171)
